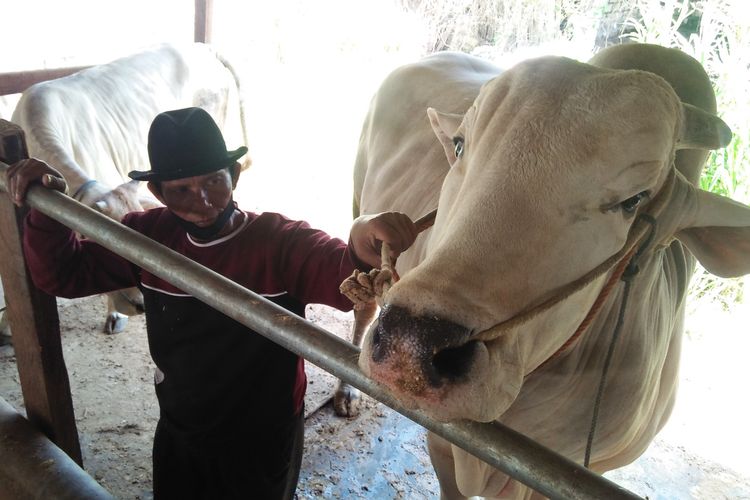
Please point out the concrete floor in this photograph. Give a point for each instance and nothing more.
(382, 455)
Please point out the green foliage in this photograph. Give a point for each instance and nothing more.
(504, 25)
(719, 40)
(715, 32)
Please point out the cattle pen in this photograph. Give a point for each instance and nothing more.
(545, 471)
(694, 452)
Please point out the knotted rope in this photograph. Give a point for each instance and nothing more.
(364, 288)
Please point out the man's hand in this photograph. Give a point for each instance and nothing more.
(26, 172)
(370, 231)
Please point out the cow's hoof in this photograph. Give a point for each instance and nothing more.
(115, 323)
(346, 401)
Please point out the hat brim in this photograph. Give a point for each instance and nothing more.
(150, 175)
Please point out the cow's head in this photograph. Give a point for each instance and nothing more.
(550, 168)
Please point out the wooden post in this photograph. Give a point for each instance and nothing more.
(204, 10)
(17, 82)
(34, 322)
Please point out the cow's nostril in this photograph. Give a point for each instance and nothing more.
(427, 349)
(454, 362)
(379, 347)
(376, 336)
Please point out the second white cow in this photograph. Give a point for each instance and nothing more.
(92, 126)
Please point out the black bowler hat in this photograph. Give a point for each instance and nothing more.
(185, 143)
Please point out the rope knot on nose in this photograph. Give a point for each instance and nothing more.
(365, 288)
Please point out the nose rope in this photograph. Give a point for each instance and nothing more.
(638, 233)
(364, 288)
(617, 273)
(625, 269)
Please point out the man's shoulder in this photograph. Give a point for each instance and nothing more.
(275, 221)
(148, 219)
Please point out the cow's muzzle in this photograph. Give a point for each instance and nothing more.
(420, 353)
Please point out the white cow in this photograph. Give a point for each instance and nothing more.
(507, 308)
(93, 126)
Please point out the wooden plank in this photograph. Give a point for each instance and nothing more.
(34, 322)
(204, 13)
(14, 83)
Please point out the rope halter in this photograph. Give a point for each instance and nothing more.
(641, 231)
(362, 288)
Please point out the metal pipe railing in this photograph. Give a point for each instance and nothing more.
(511, 452)
(31, 466)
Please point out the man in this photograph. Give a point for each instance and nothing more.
(231, 416)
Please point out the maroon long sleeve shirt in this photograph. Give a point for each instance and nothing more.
(217, 371)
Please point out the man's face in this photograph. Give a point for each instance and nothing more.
(200, 199)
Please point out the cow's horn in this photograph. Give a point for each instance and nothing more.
(702, 130)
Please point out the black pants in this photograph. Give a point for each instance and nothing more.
(259, 462)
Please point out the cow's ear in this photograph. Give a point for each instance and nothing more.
(445, 126)
(719, 234)
(702, 130)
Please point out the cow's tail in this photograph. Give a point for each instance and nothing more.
(241, 101)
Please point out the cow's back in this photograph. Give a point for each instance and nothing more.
(95, 123)
(91, 120)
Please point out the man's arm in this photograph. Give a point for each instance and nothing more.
(61, 263)
(314, 265)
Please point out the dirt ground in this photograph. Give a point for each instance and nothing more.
(111, 378)
(379, 455)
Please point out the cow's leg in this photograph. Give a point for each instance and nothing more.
(115, 322)
(120, 305)
(346, 399)
(441, 457)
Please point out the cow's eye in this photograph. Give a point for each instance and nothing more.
(631, 204)
(458, 146)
